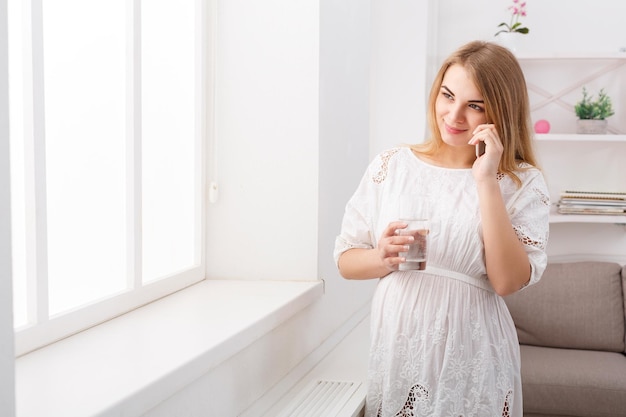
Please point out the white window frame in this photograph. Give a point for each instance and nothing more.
(43, 329)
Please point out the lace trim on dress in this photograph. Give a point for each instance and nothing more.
(506, 411)
(543, 198)
(527, 241)
(519, 230)
(384, 167)
(419, 393)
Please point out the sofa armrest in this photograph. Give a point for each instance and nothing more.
(578, 305)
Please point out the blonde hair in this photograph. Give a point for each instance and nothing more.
(499, 78)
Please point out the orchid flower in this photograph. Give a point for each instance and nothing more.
(518, 9)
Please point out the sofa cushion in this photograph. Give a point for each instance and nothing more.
(568, 382)
(577, 305)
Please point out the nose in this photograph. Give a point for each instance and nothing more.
(456, 113)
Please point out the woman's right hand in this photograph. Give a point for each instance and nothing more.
(391, 243)
(366, 263)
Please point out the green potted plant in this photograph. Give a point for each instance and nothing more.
(592, 114)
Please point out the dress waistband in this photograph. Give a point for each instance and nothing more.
(480, 282)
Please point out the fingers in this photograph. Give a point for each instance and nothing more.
(483, 127)
(392, 243)
(482, 133)
(488, 134)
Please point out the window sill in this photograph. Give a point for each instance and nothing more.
(130, 364)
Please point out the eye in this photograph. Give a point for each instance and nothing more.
(476, 107)
(447, 95)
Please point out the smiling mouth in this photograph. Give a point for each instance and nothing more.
(453, 130)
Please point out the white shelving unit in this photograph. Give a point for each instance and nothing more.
(573, 137)
(575, 71)
(572, 56)
(573, 161)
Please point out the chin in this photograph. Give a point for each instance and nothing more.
(456, 141)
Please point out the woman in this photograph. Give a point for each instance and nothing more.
(442, 340)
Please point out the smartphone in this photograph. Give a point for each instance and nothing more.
(480, 148)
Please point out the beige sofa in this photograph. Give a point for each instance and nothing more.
(571, 328)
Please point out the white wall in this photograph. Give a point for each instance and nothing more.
(7, 366)
(264, 224)
(293, 142)
(400, 78)
(555, 26)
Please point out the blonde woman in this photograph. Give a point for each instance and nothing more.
(442, 340)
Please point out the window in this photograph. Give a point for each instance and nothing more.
(107, 105)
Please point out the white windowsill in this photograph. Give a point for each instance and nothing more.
(130, 364)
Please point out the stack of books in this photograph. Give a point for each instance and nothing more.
(592, 202)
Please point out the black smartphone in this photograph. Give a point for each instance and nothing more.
(480, 148)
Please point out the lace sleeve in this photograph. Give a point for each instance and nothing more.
(357, 228)
(530, 213)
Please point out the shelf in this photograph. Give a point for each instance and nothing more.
(574, 137)
(571, 56)
(585, 218)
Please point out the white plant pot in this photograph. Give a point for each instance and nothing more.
(591, 127)
(510, 40)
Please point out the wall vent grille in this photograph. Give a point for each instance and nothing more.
(328, 399)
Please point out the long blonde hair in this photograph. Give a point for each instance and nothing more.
(499, 78)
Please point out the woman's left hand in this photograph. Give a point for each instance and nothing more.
(486, 166)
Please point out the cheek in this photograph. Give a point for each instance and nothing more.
(477, 119)
(440, 108)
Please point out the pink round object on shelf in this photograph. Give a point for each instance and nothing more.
(542, 126)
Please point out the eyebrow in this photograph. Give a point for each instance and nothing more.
(469, 101)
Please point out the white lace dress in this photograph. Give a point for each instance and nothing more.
(442, 341)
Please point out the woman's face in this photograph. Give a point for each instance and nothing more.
(459, 107)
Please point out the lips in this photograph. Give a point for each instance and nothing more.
(453, 130)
